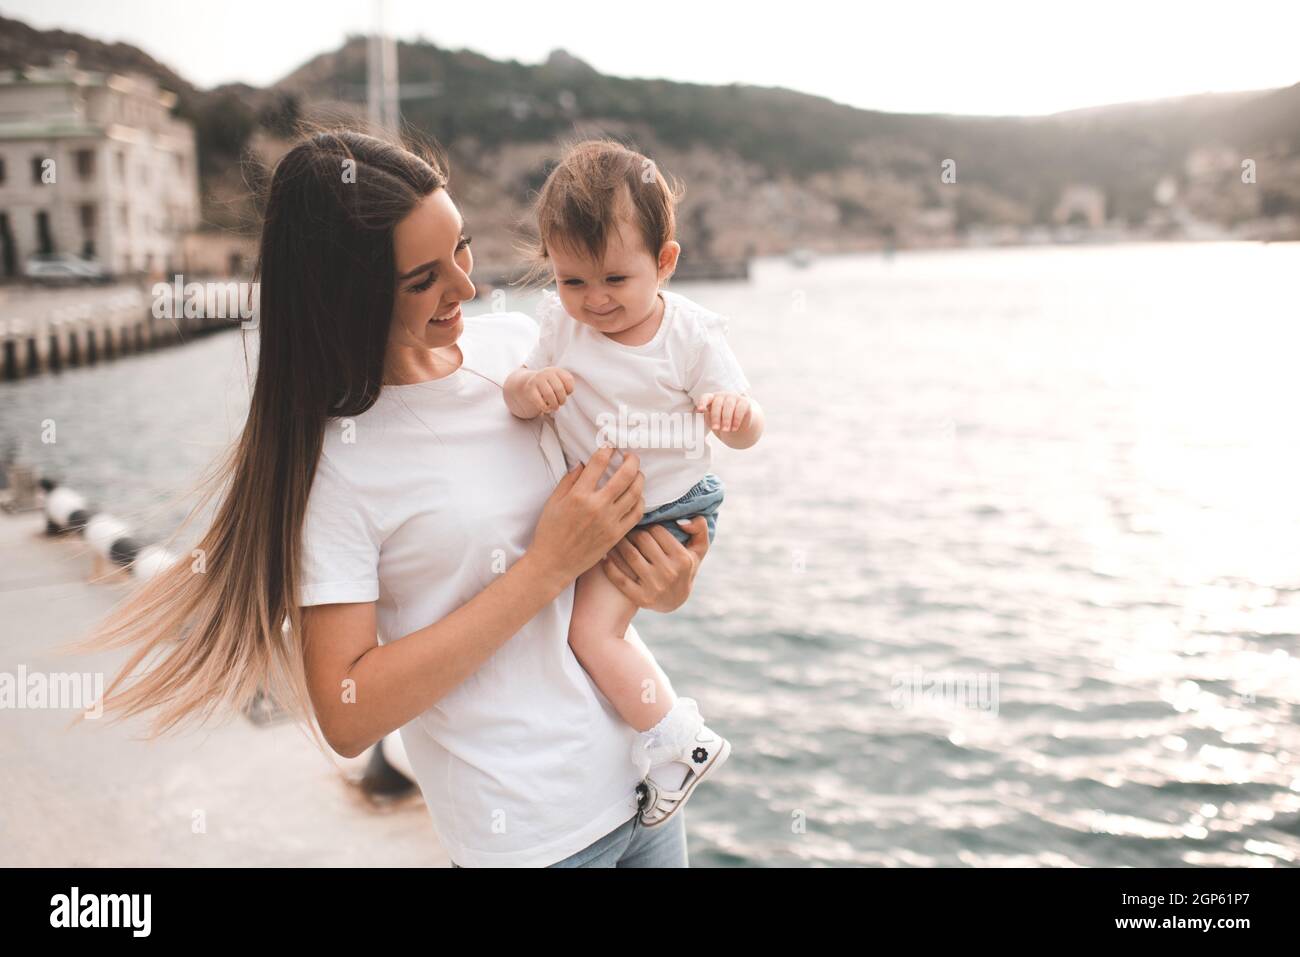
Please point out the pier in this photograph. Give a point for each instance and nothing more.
(251, 791)
(46, 330)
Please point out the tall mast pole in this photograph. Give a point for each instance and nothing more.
(381, 75)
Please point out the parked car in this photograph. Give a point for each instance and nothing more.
(63, 269)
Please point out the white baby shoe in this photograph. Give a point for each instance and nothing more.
(703, 755)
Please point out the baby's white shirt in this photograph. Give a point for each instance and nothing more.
(642, 397)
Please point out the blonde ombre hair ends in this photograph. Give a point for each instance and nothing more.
(207, 636)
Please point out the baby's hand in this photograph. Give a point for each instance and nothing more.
(727, 411)
(548, 388)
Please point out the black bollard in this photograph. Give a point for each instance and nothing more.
(381, 779)
(77, 520)
(124, 551)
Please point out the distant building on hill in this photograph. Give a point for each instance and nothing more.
(1080, 205)
(94, 164)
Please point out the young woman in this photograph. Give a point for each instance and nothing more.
(393, 549)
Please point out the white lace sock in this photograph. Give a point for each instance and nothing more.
(655, 752)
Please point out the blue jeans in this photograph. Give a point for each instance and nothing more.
(703, 498)
(632, 845)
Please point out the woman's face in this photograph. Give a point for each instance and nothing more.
(433, 267)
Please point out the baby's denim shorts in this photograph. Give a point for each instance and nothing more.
(703, 498)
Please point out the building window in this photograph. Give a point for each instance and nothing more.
(38, 170)
(2, 171)
(86, 164)
(44, 241)
(121, 166)
(8, 248)
(87, 212)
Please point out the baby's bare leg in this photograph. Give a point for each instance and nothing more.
(624, 671)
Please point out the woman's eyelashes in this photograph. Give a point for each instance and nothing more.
(432, 275)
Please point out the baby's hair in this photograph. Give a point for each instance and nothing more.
(596, 185)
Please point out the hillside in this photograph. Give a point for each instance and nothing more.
(766, 169)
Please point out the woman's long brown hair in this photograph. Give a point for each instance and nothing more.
(327, 278)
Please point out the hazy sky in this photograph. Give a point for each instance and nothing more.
(983, 57)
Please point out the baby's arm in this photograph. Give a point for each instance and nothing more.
(538, 386)
(530, 392)
(737, 420)
(717, 384)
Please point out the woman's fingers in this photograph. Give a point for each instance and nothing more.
(652, 544)
(629, 518)
(623, 583)
(567, 482)
(659, 564)
(594, 469)
(623, 476)
(698, 529)
(673, 551)
(631, 498)
(616, 558)
(633, 558)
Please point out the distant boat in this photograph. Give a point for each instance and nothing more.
(711, 269)
(801, 258)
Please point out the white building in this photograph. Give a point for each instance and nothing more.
(94, 164)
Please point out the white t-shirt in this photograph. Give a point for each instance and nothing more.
(418, 505)
(641, 397)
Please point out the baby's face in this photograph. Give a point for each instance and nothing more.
(619, 292)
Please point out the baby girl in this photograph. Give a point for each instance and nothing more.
(621, 361)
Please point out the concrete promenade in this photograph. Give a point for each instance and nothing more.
(235, 794)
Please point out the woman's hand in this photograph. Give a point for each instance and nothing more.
(654, 569)
(581, 522)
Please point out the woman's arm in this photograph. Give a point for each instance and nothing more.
(362, 691)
